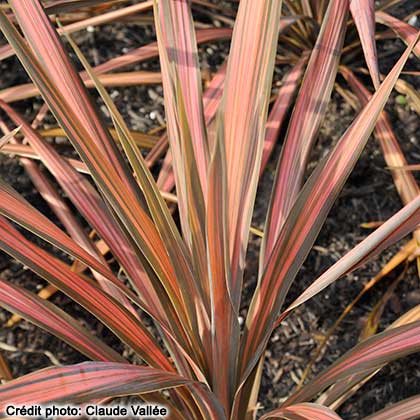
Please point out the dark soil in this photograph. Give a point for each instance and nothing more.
(369, 195)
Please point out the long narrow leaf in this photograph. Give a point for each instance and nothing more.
(185, 119)
(85, 382)
(178, 37)
(363, 12)
(46, 45)
(89, 203)
(279, 109)
(132, 216)
(344, 389)
(369, 354)
(305, 220)
(54, 320)
(158, 208)
(307, 116)
(225, 327)
(404, 181)
(242, 118)
(86, 293)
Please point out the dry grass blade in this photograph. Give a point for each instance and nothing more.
(413, 96)
(26, 151)
(145, 141)
(5, 372)
(7, 137)
(371, 324)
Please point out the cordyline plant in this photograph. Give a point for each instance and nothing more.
(187, 276)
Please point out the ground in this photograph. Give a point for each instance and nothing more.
(369, 195)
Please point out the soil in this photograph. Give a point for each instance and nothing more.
(369, 195)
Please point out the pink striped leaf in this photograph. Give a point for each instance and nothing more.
(179, 73)
(103, 18)
(369, 354)
(280, 107)
(159, 308)
(132, 217)
(84, 291)
(27, 152)
(63, 212)
(345, 388)
(46, 46)
(304, 411)
(159, 211)
(54, 320)
(86, 381)
(211, 101)
(305, 220)
(308, 114)
(242, 118)
(225, 327)
(395, 228)
(90, 204)
(65, 6)
(405, 182)
(179, 40)
(14, 207)
(151, 50)
(363, 12)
